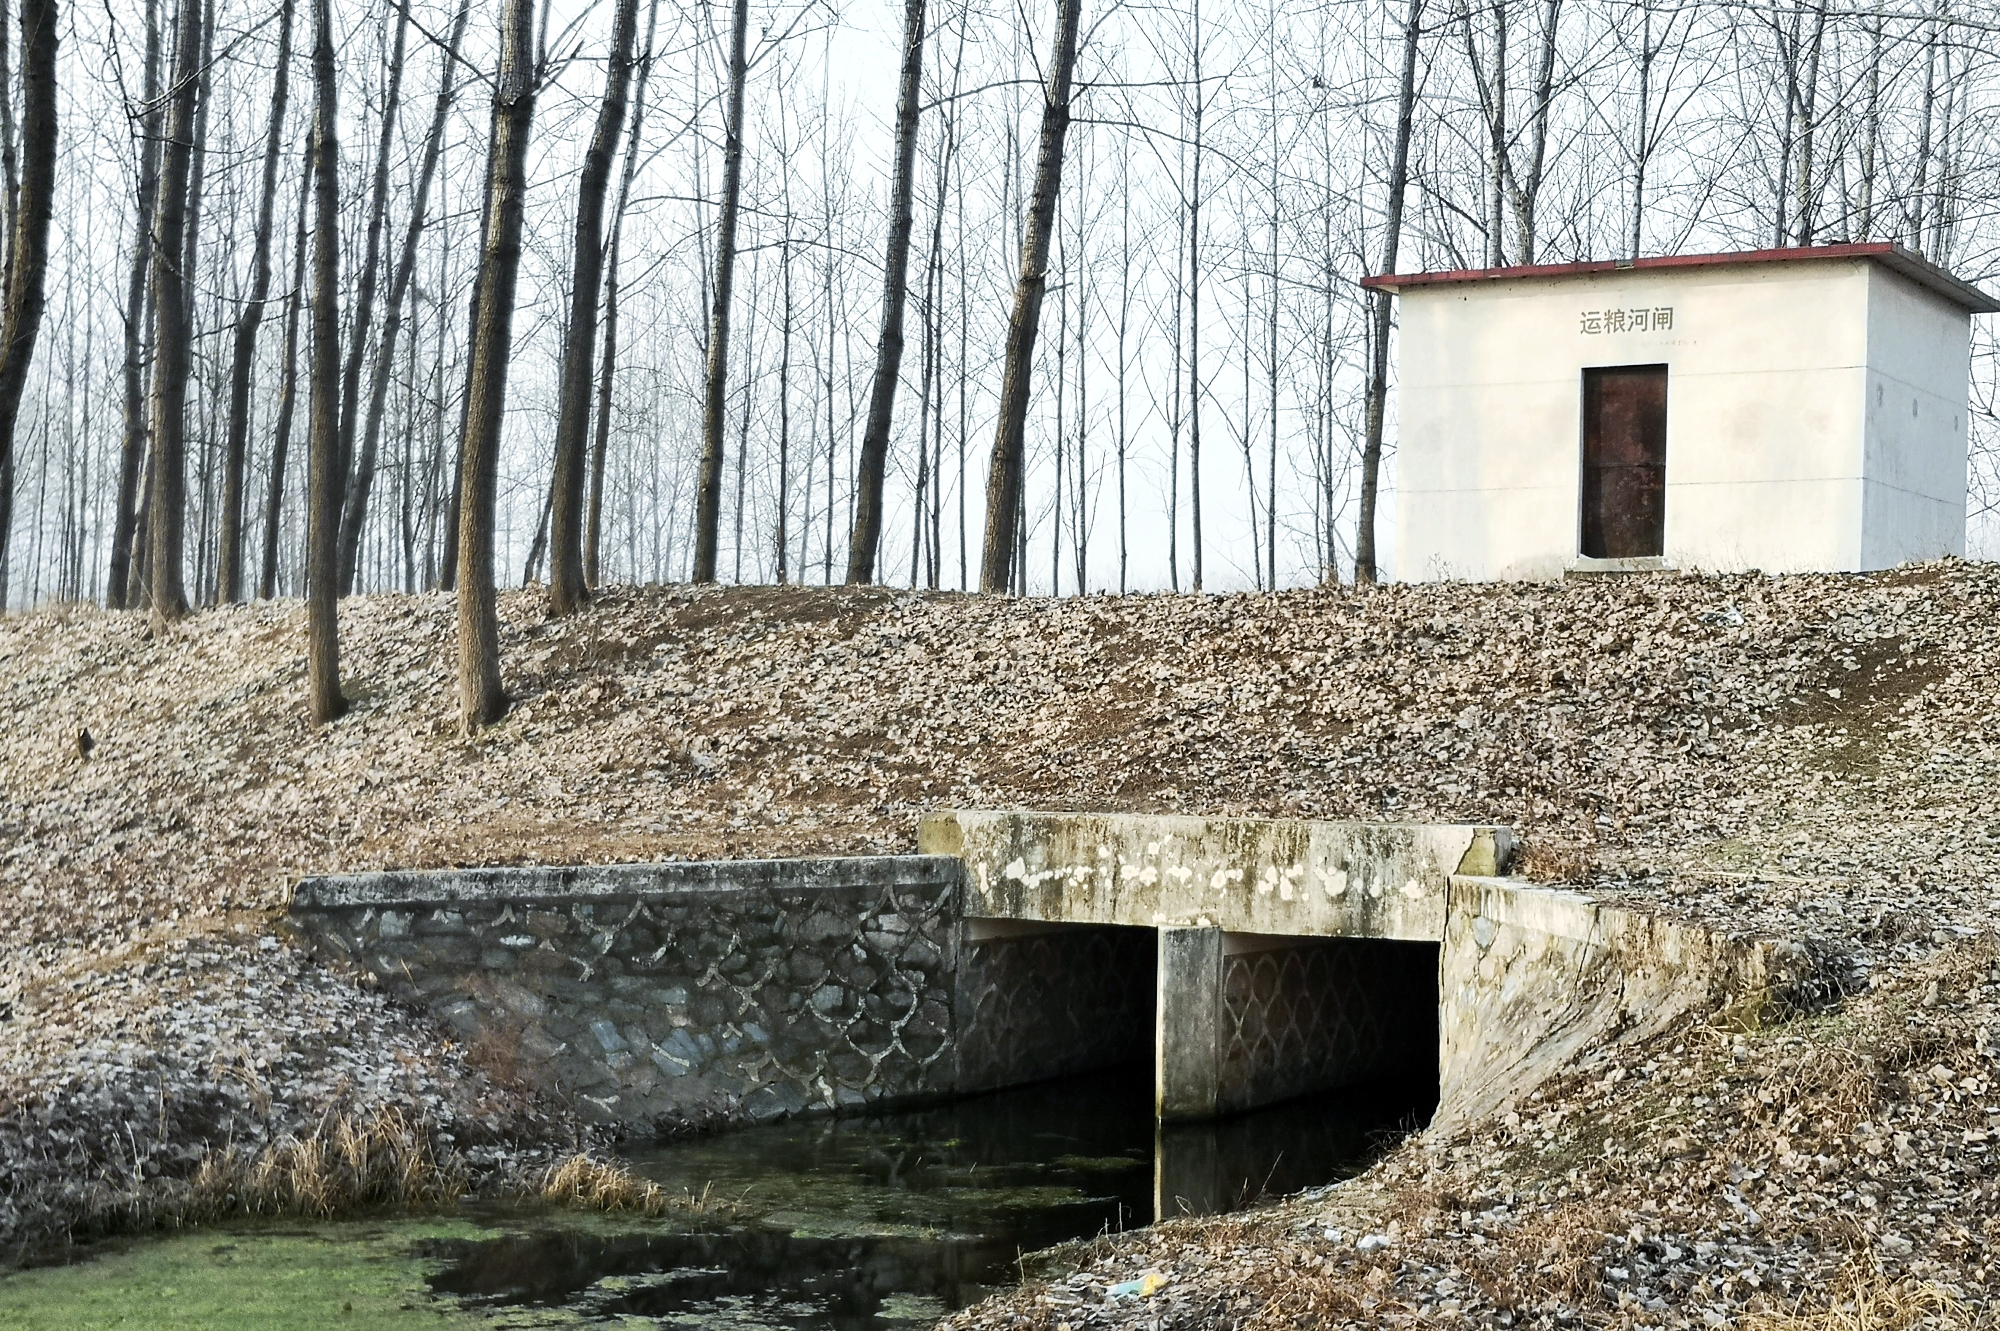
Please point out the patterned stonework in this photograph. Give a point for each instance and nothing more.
(1324, 1014)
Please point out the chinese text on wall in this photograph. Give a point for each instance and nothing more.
(1658, 320)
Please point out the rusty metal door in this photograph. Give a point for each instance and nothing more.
(1624, 461)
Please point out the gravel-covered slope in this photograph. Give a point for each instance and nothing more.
(1809, 756)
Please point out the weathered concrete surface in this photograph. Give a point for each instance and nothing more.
(667, 995)
(1534, 978)
(1187, 1059)
(1247, 875)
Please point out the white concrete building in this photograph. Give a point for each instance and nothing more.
(1783, 410)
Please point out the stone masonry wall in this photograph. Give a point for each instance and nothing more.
(670, 996)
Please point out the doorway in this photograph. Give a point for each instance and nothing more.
(1624, 461)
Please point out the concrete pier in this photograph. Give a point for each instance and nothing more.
(1187, 1049)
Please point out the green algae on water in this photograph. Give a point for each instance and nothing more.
(302, 1277)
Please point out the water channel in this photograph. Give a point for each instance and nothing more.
(860, 1224)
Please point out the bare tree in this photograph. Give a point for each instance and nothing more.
(481, 700)
(568, 588)
(229, 552)
(165, 593)
(708, 493)
(362, 480)
(1003, 485)
(28, 252)
(601, 439)
(288, 385)
(354, 485)
(132, 453)
(1518, 185)
(323, 439)
(1381, 307)
(867, 533)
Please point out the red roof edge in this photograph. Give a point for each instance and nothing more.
(1895, 257)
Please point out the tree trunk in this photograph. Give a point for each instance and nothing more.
(568, 588)
(132, 452)
(1808, 113)
(601, 434)
(785, 406)
(480, 698)
(1864, 228)
(167, 521)
(708, 494)
(895, 293)
(229, 552)
(355, 515)
(323, 440)
(28, 253)
(600, 443)
(1003, 486)
(743, 428)
(288, 386)
(197, 171)
(10, 175)
(1365, 570)
(354, 487)
(1194, 321)
(448, 579)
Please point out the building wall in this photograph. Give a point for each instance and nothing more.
(1913, 500)
(1772, 462)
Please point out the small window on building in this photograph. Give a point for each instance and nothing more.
(1624, 461)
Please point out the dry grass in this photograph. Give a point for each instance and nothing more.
(348, 1163)
(1865, 1300)
(344, 1165)
(599, 1185)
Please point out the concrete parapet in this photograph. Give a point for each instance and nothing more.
(1249, 875)
(571, 884)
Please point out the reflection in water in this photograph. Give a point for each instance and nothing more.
(1209, 1168)
(893, 1220)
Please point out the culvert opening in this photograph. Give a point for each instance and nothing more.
(1302, 1016)
(1046, 1001)
(1273, 1062)
(1323, 1052)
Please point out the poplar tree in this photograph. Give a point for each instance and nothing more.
(323, 439)
(1003, 484)
(867, 534)
(229, 550)
(708, 489)
(28, 250)
(166, 594)
(481, 700)
(568, 587)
